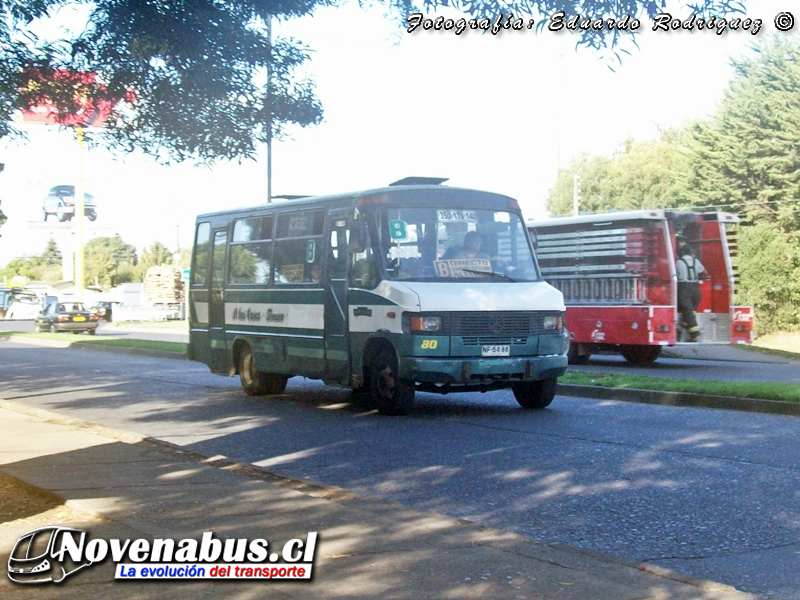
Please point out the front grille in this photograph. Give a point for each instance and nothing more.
(500, 325)
(487, 340)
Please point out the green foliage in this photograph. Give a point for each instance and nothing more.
(769, 263)
(45, 267)
(52, 255)
(3, 217)
(747, 160)
(186, 78)
(156, 255)
(107, 260)
(747, 157)
(650, 174)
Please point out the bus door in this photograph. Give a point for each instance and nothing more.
(218, 351)
(336, 345)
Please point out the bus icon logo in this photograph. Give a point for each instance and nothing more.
(39, 555)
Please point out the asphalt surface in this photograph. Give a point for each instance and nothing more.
(736, 445)
(145, 489)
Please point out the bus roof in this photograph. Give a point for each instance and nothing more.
(374, 196)
(632, 215)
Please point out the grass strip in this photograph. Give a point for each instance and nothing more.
(177, 347)
(787, 392)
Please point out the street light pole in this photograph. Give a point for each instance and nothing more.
(79, 214)
(269, 112)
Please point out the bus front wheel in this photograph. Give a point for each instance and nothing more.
(391, 395)
(535, 394)
(256, 383)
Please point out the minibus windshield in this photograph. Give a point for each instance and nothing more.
(454, 244)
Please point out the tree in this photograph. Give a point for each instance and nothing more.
(769, 263)
(650, 174)
(747, 160)
(107, 259)
(157, 254)
(187, 73)
(3, 217)
(45, 267)
(747, 157)
(52, 255)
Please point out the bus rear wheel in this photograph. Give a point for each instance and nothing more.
(535, 394)
(641, 356)
(256, 383)
(390, 394)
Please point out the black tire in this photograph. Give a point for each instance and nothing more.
(91, 331)
(535, 394)
(362, 397)
(91, 216)
(44, 213)
(641, 356)
(256, 383)
(77, 332)
(391, 395)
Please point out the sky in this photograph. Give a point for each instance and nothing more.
(494, 112)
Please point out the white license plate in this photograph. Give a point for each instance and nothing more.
(496, 350)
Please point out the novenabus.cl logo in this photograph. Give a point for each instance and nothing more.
(42, 556)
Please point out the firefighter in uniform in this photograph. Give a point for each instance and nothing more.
(690, 272)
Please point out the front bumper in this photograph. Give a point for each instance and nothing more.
(84, 326)
(481, 372)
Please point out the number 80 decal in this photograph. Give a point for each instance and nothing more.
(429, 344)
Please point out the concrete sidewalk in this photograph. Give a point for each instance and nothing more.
(121, 485)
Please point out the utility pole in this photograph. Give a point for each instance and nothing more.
(79, 214)
(576, 195)
(269, 113)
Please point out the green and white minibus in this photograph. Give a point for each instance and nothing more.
(377, 291)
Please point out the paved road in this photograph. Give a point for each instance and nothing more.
(712, 493)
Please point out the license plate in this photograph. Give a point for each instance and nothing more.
(496, 350)
(78, 318)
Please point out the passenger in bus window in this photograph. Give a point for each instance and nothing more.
(690, 272)
(315, 272)
(470, 249)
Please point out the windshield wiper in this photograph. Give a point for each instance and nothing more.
(491, 273)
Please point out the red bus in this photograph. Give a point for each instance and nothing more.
(617, 273)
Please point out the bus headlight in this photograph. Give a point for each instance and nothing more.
(425, 324)
(553, 322)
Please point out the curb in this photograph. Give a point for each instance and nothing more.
(687, 399)
(324, 492)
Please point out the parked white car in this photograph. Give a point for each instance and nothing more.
(24, 306)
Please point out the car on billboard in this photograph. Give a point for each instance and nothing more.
(60, 201)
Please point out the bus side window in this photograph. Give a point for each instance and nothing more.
(200, 265)
(298, 241)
